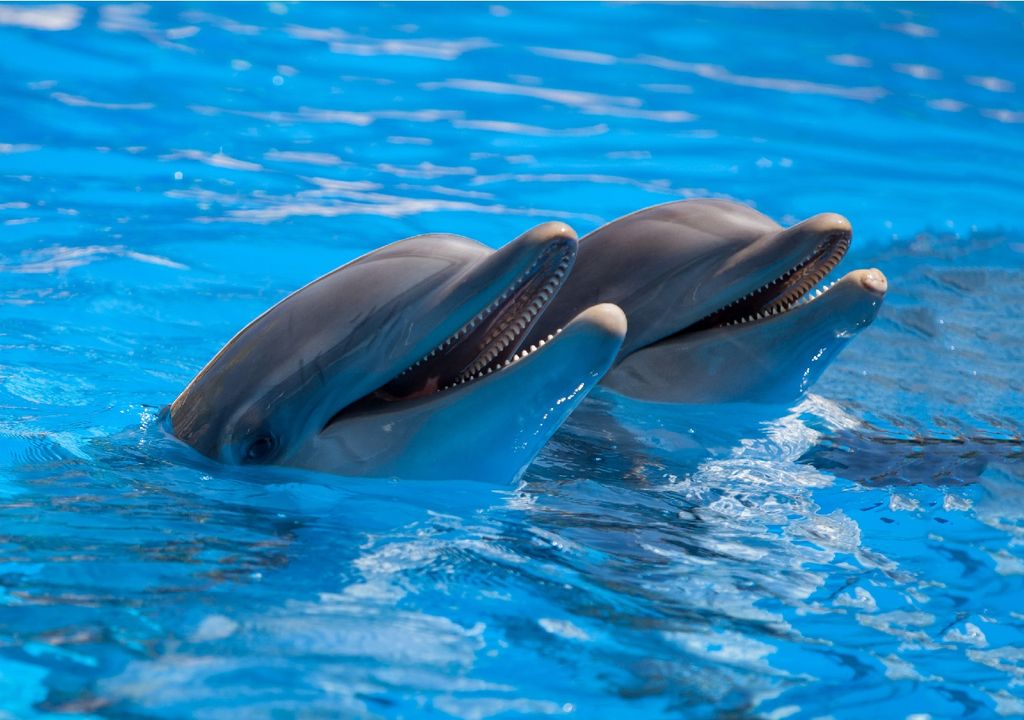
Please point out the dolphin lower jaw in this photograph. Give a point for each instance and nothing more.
(766, 359)
(484, 344)
(839, 308)
(851, 303)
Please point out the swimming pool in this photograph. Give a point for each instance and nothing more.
(167, 172)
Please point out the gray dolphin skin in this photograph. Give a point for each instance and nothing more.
(407, 362)
(720, 300)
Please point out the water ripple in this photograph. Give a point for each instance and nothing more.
(54, 17)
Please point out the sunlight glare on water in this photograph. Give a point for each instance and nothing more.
(168, 172)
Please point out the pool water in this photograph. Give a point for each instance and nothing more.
(169, 171)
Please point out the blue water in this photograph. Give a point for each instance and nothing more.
(168, 172)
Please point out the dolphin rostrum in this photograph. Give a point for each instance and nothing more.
(720, 299)
(407, 362)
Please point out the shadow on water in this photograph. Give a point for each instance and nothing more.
(939, 389)
(103, 615)
(881, 460)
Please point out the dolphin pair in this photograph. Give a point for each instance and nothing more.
(436, 356)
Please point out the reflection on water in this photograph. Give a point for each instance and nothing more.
(168, 172)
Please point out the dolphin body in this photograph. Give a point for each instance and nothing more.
(406, 362)
(721, 301)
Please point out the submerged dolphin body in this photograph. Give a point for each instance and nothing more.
(720, 300)
(405, 363)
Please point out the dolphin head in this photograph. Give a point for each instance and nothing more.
(683, 268)
(490, 426)
(402, 326)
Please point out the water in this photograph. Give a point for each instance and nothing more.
(167, 172)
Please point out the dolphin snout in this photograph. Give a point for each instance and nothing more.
(545, 233)
(811, 233)
(825, 224)
(605, 317)
(872, 280)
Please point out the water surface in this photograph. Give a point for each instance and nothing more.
(169, 171)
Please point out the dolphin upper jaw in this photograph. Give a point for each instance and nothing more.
(776, 271)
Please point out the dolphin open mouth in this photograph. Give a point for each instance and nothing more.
(489, 342)
(785, 292)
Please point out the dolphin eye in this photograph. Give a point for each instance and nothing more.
(261, 448)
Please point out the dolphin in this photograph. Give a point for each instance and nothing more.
(721, 300)
(407, 362)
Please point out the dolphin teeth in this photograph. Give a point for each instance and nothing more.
(496, 345)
